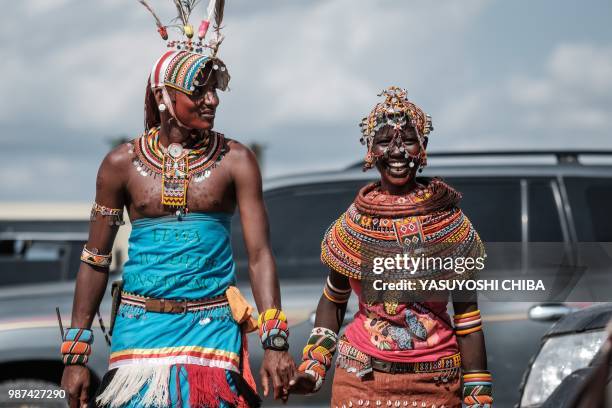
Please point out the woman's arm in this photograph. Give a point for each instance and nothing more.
(476, 380)
(277, 366)
(329, 315)
(91, 280)
(471, 346)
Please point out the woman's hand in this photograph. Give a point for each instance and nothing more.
(76, 381)
(302, 383)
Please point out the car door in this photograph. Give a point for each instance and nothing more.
(509, 213)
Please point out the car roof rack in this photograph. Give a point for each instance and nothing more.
(562, 156)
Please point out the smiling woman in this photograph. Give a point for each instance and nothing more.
(398, 350)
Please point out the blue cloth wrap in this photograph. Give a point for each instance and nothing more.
(190, 258)
(187, 259)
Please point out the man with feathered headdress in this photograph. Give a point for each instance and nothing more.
(179, 331)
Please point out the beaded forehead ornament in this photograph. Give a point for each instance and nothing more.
(397, 112)
(183, 66)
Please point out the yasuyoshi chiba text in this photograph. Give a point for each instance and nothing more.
(463, 284)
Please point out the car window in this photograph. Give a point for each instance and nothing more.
(544, 220)
(299, 216)
(590, 200)
(32, 261)
(39, 252)
(493, 206)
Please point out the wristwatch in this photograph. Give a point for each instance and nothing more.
(277, 342)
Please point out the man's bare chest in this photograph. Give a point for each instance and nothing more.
(212, 194)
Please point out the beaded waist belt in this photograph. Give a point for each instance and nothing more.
(172, 305)
(356, 361)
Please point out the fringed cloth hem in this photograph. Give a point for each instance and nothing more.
(208, 387)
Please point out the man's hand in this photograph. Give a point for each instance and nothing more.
(302, 383)
(76, 380)
(278, 369)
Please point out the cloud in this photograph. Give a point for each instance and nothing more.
(563, 103)
(327, 62)
(572, 94)
(303, 75)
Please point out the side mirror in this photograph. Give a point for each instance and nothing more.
(548, 312)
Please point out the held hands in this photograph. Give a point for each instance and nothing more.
(276, 372)
(302, 383)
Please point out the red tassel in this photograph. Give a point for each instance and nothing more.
(208, 386)
(246, 369)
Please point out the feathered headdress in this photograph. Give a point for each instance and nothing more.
(185, 9)
(182, 67)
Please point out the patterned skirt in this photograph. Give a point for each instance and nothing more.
(379, 389)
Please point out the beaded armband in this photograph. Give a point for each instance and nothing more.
(467, 323)
(273, 329)
(335, 295)
(76, 346)
(318, 354)
(477, 389)
(92, 257)
(115, 215)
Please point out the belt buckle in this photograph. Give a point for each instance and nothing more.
(384, 366)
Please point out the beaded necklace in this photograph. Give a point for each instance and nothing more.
(423, 223)
(176, 165)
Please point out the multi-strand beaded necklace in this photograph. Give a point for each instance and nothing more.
(176, 165)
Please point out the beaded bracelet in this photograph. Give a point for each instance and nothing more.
(478, 389)
(115, 215)
(467, 323)
(92, 257)
(76, 346)
(318, 354)
(272, 323)
(335, 295)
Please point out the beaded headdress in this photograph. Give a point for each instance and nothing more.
(183, 66)
(397, 112)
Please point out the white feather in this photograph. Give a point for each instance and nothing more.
(211, 10)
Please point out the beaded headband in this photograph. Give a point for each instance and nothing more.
(397, 112)
(182, 66)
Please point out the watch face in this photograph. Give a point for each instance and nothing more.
(279, 342)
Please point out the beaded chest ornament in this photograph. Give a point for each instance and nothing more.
(176, 165)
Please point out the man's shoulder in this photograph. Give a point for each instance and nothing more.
(238, 151)
(119, 157)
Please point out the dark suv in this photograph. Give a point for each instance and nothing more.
(511, 197)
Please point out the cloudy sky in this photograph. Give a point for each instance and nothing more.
(493, 74)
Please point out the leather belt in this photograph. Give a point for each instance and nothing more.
(392, 367)
(172, 305)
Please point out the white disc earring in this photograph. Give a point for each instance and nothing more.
(161, 107)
